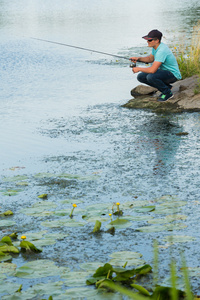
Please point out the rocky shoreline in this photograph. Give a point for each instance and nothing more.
(185, 97)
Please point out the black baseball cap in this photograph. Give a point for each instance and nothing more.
(153, 34)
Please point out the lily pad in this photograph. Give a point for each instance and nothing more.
(131, 262)
(44, 204)
(135, 203)
(22, 183)
(66, 212)
(49, 239)
(194, 271)
(84, 292)
(79, 177)
(44, 175)
(93, 219)
(39, 209)
(33, 269)
(158, 228)
(61, 223)
(75, 278)
(71, 201)
(99, 207)
(176, 217)
(11, 192)
(34, 236)
(119, 224)
(144, 209)
(168, 219)
(51, 288)
(126, 255)
(132, 258)
(174, 204)
(7, 223)
(5, 257)
(173, 239)
(15, 178)
(9, 287)
(91, 266)
(7, 248)
(8, 269)
(139, 218)
(159, 221)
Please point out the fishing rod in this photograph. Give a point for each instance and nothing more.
(132, 65)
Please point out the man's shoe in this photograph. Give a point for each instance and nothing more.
(169, 86)
(166, 97)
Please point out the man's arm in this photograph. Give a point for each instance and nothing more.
(146, 59)
(151, 69)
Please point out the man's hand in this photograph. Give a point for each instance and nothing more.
(134, 59)
(135, 69)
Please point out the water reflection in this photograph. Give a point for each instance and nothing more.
(160, 135)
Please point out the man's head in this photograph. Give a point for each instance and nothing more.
(153, 38)
(153, 35)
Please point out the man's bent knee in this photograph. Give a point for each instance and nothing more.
(142, 77)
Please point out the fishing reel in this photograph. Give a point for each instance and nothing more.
(133, 65)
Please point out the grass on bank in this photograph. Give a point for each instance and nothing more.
(188, 56)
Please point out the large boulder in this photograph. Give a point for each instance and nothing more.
(186, 97)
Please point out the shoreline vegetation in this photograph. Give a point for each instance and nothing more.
(188, 57)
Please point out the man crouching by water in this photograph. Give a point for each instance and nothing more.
(164, 69)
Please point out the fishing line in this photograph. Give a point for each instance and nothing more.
(86, 49)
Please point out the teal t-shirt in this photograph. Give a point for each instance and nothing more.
(164, 55)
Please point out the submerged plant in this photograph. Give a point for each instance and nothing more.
(74, 206)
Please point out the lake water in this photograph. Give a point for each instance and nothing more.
(60, 111)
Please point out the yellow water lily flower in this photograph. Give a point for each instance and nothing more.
(74, 205)
(23, 237)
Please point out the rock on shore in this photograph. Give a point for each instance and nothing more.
(185, 97)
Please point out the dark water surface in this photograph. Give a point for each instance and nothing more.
(60, 113)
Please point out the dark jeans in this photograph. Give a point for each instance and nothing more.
(161, 80)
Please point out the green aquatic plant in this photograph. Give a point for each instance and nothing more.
(28, 246)
(118, 212)
(73, 207)
(97, 226)
(124, 281)
(43, 196)
(7, 213)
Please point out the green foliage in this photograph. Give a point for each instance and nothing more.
(97, 226)
(29, 247)
(8, 213)
(188, 57)
(124, 281)
(108, 274)
(7, 240)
